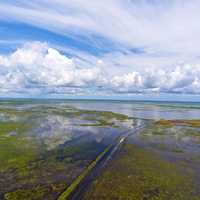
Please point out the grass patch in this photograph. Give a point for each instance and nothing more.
(16, 153)
(26, 194)
(101, 122)
(192, 123)
(6, 127)
(16, 150)
(140, 175)
(104, 114)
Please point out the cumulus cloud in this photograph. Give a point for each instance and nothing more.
(181, 79)
(37, 67)
(155, 47)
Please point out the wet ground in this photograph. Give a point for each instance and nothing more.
(160, 162)
(45, 145)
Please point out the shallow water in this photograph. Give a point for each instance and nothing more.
(45, 144)
(137, 109)
(144, 110)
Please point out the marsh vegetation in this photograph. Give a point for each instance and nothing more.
(43, 147)
(46, 146)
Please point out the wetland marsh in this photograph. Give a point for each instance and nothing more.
(45, 145)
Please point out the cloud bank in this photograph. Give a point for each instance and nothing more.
(37, 68)
(135, 46)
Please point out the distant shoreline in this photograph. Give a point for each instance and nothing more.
(98, 100)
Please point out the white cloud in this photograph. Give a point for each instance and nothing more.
(36, 65)
(180, 79)
(39, 68)
(157, 26)
(166, 34)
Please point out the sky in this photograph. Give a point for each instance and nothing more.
(115, 49)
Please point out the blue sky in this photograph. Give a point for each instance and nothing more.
(140, 49)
